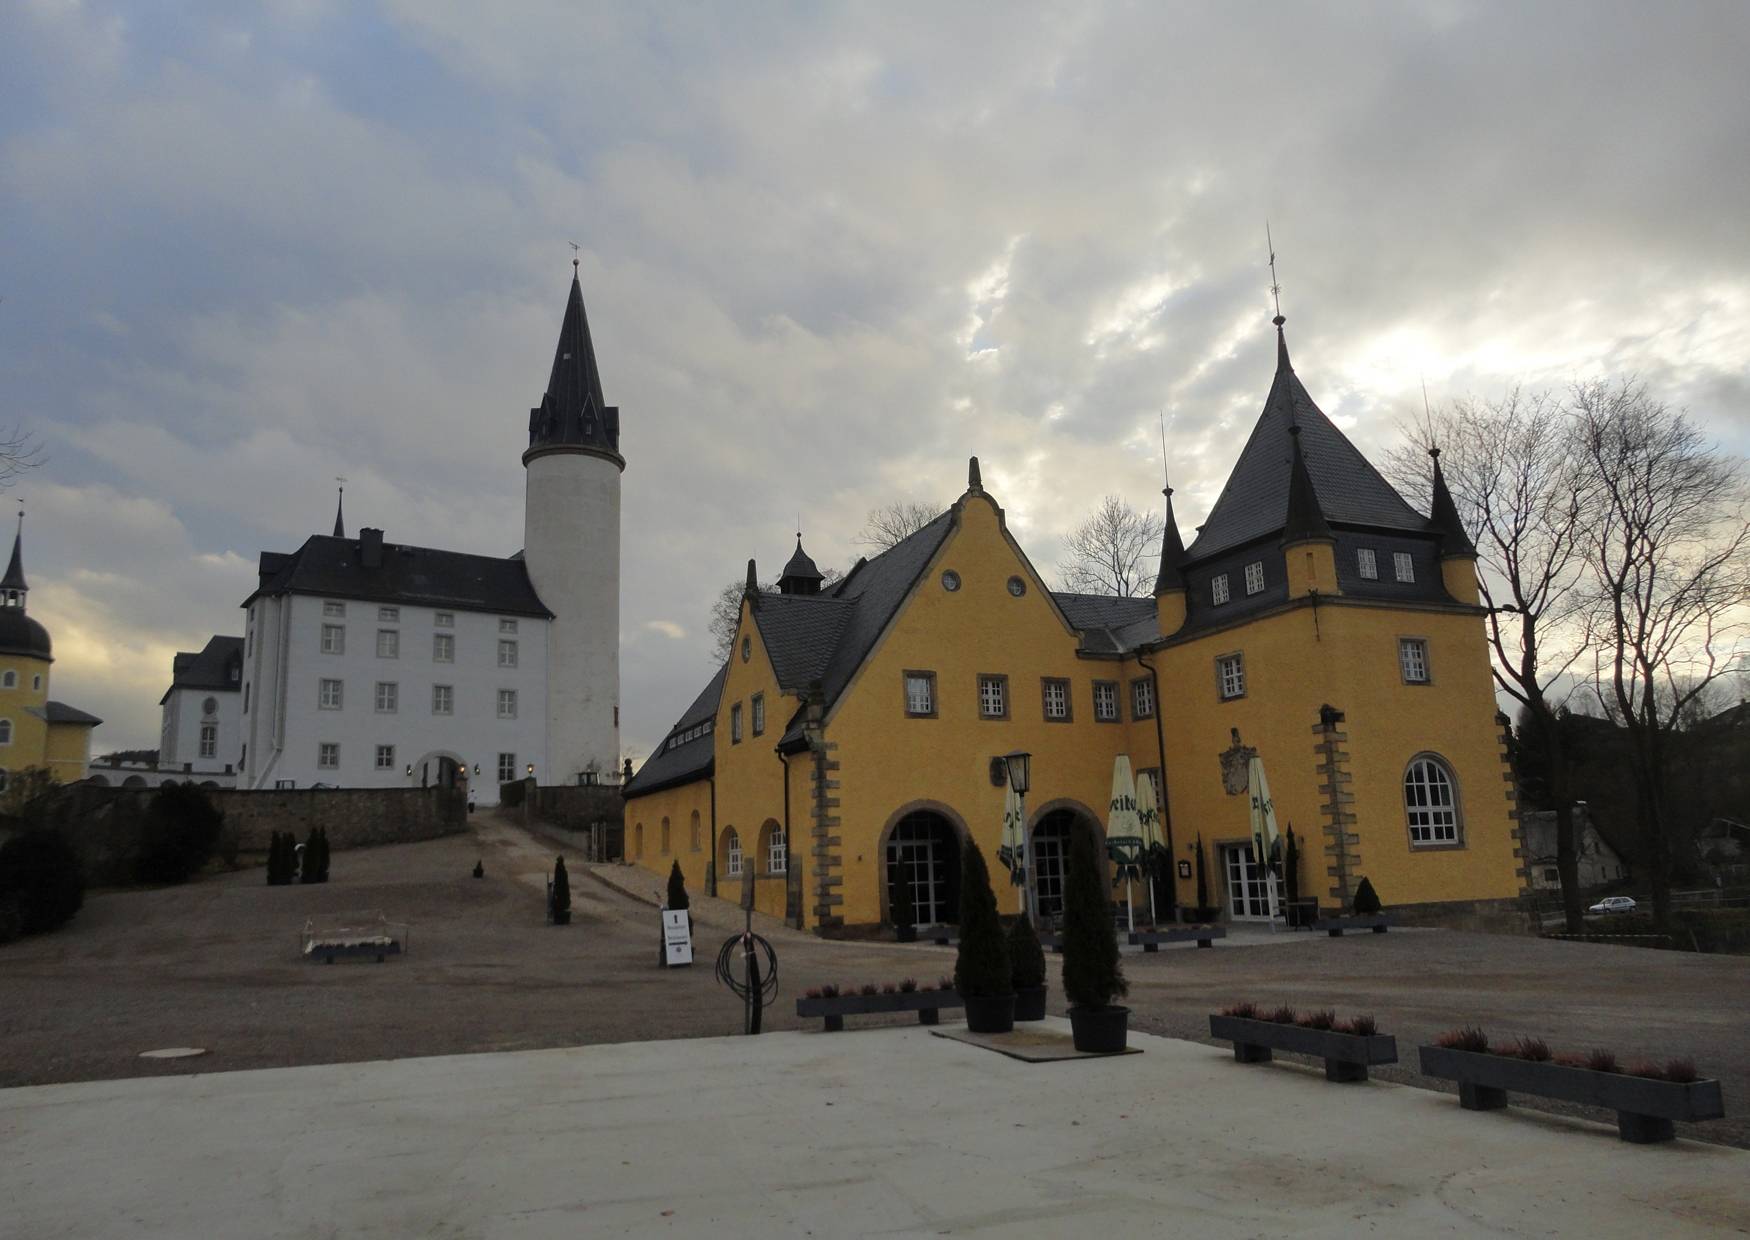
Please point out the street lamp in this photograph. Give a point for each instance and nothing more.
(1020, 772)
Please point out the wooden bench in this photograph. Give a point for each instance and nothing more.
(928, 1004)
(1151, 940)
(1346, 1055)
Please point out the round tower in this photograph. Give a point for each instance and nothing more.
(571, 548)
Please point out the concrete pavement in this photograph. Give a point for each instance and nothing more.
(874, 1131)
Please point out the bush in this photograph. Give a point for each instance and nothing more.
(561, 887)
(677, 888)
(1466, 1038)
(178, 835)
(1092, 977)
(982, 968)
(41, 877)
(1026, 957)
(1366, 898)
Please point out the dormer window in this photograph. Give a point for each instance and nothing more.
(1255, 577)
(1218, 592)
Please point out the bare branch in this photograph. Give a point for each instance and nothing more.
(1113, 552)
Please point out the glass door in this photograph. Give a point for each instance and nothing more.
(1248, 888)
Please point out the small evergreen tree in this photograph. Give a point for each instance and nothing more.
(1202, 881)
(41, 879)
(312, 872)
(1291, 869)
(981, 970)
(561, 890)
(677, 887)
(1366, 898)
(1026, 957)
(1092, 977)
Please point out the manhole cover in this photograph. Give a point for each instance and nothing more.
(174, 1052)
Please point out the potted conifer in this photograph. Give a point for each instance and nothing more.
(1092, 978)
(1027, 969)
(981, 971)
(1205, 912)
(904, 914)
(561, 894)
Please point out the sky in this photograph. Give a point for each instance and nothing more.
(828, 253)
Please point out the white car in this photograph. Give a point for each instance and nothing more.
(1613, 904)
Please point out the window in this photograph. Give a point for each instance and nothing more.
(1106, 701)
(209, 740)
(9, 680)
(777, 851)
(328, 756)
(993, 697)
(210, 706)
(334, 639)
(333, 608)
(920, 693)
(1218, 589)
(443, 700)
(735, 724)
(1413, 660)
(385, 757)
(507, 703)
(732, 855)
(506, 767)
(759, 714)
(1403, 565)
(1431, 803)
(389, 614)
(1056, 694)
(507, 626)
(443, 648)
(1230, 676)
(36, 682)
(329, 694)
(1368, 563)
(1142, 698)
(950, 581)
(506, 654)
(388, 644)
(444, 619)
(5, 731)
(388, 697)
(1255, 577)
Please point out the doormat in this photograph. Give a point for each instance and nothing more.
(1030, 1045)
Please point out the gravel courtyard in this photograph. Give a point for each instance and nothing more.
(216, 965)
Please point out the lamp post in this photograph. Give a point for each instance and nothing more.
(1020, 767)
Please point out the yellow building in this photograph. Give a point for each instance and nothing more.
(34, 731)
(1317, 618)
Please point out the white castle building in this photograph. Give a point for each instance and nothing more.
(372, 664)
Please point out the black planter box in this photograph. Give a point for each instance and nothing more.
(1379, 923)
(1644, 1108)
(1346, 1055)
(926, 1003)
(1151, 940)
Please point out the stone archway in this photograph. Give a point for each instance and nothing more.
(1048, 839)
(920, 845)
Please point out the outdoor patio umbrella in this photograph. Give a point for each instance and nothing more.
(1265, 839)
(1123, 831)
(1148, 817)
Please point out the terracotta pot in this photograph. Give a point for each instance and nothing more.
(1099, 1031)
(990, 1014)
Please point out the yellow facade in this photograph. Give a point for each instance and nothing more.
(30, 739)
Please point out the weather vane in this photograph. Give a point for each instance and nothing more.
(1166, 479)
(1275, 288)
(575, 249)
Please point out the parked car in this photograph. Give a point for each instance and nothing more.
(1614, 904)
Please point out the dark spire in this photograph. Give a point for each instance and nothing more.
(800, 575)
(340, 514)
(1172, 553)
(1306, 520)
(14, 579)
(573, 414)
(1283, 366)
(752, 589)
(974, 481)
(1444, 516)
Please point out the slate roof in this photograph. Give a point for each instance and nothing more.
(1254, 503)
(573, 411)
(209, 668)
(414, 576)
(20, 634)
(14, 579)
(801, 632)
(694, 759)
(60, 712)
(801, 569)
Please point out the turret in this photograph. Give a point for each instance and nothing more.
(1458, 555)
(1170, 580)
(800, 576)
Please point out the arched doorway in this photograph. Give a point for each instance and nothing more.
(1050, 853)
(923, 850)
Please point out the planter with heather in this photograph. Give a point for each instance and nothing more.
(1348, 1048)
(832, 1005)
(1646, 1105)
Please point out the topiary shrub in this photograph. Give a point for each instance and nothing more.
(1092, 977)
(41, 879)
(1202, 881)
(178, 834)
(1291, 869)
(1026, 957)
(982, 968)
(1366, 898)
(561, 893)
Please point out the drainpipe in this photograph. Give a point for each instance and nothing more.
(712, 870)
(1166, 810)
(792, 859)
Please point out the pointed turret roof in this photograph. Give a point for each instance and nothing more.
(340, 514)
(1172, 553)
(1346, 487)
(573, 414)
(800, 576)
(14, 579)
(1306, 520)
(1443, 516)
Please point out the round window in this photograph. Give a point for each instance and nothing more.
(950, 581)
(1017, 587)
(210, 706)
(746, 649)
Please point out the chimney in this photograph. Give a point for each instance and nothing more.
(371, 547)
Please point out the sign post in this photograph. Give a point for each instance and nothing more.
(677, 938)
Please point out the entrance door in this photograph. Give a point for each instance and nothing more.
(924, 852)
(1051, 864)
(1248, 890)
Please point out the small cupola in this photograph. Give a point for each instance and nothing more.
(800, 574)
(12, 586)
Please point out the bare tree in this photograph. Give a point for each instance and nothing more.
(891, 524)
(19, 451)
(1113, 551)
(1668, 551)
(1514, 470)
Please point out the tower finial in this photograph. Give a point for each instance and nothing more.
(1275, 287)
(340, 508)
(575, 248)
(1166, 477)
(974, 481)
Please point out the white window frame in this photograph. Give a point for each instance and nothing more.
(993, 689)
(1230, 676)
(777, 852)
(330, 694)
(1142, 698)
(1432, 810)
(1054, 698)
(387, 697)
(920, 694)
(1413, 660)
(506, 625)
(1106, 701)
(759, 714)
(507, 654)
(385, 757)
(443, 699)
(507, 703)
(444, 619)
(328, 755)
(1218, 590)
(506, 767)
(1367, 563)
(1255, 577)
(732, 859)
(735, 724)
(1403, 565)
(334, 639)
(209, 740)
(388, 643)
(443, 647)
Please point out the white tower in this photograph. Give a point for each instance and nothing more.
(571, 546)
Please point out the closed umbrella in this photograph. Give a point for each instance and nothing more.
(1148, 817)
(1266, 843)
(1013, 851)
(1123, 831)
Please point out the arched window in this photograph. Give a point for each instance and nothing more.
(696, 845)
(665, 835)
(731, 853)
(638, 841)
(9, 680)
(777, 849)
(1431, 803)
(5, 731)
